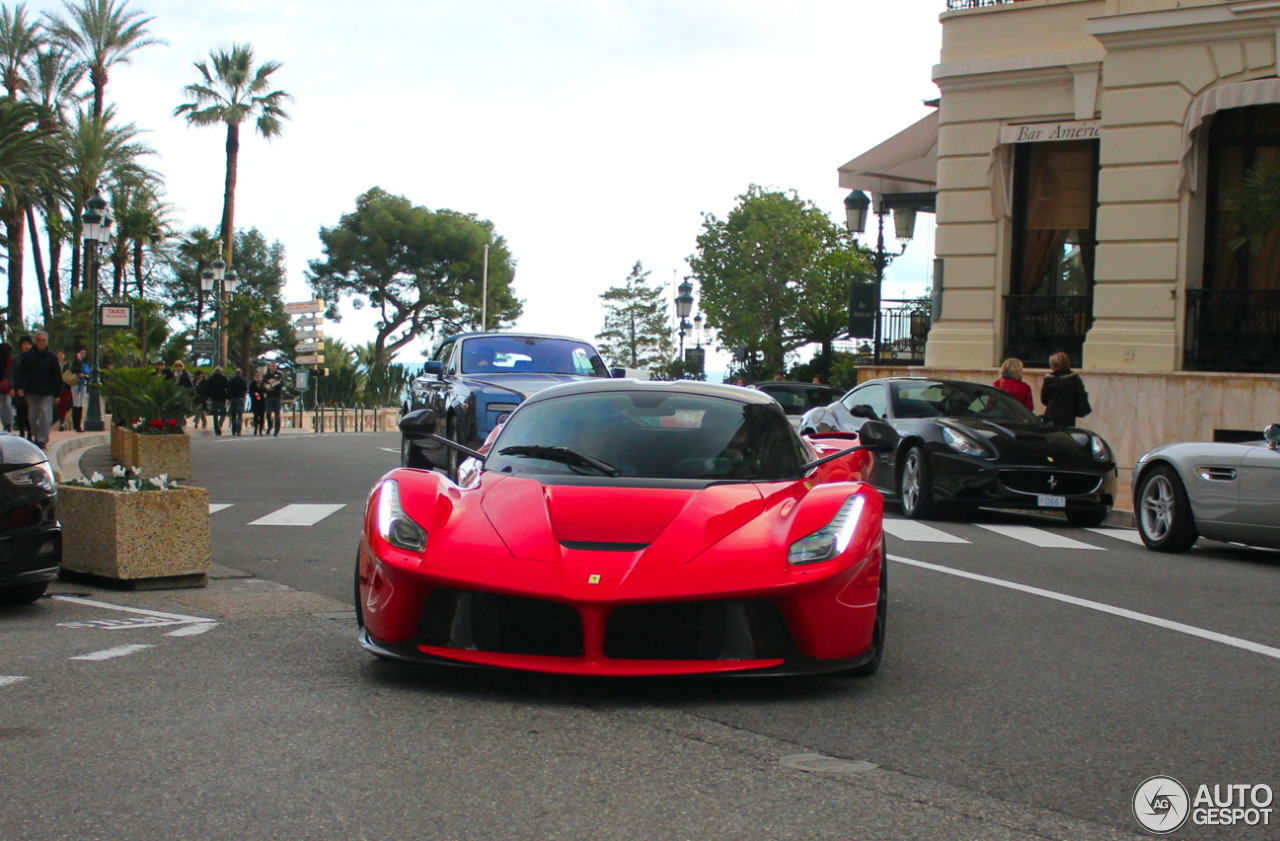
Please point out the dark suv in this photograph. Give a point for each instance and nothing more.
(30, 537)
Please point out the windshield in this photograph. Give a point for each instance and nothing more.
(530, 354)
(956, 400)
(650, 435)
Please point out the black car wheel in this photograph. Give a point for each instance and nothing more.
(1164, 511)
(23, 593)
(915, 484)
(870, 667)
(411, 456)
(1087, 517)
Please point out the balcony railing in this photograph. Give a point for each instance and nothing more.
(1037, 326)
(1233, 330)
(904, 328)
(977, 4)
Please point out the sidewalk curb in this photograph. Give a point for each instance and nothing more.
(64, 455)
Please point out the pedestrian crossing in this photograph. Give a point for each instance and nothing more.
(293, 514)
(913, 531)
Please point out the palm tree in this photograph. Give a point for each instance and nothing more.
(19, 40)
(102, 34)
(28, 160)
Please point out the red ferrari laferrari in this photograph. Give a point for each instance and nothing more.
(625, 528)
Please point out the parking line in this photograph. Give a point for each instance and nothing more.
(110, 653)
(215, 507)
(1127, 535)
(1189, 630)
(1039, 538)
(108, 606)
(298, 514)
(9, 680)
(915, 532)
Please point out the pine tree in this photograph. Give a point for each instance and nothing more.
(636, 333)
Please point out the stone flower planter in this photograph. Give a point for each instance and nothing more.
(150, 539)
(157, 454)
(119, 437)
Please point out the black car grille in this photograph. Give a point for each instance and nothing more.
(738, 630)
(1055, 482)
(501, 624)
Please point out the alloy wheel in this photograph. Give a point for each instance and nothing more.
(1157, 508)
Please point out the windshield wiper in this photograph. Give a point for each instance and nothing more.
(564, 455)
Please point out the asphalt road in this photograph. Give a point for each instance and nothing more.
(1035, 675)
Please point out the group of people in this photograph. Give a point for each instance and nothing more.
(38, 386)
(219, 398)
(1062, 393)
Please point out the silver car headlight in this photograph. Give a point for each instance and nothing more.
(393, 524)
(37, 476)
(830, 540)
(1101, 452)
(962, 443)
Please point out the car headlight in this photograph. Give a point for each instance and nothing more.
(962, 443)
(1101, 452)
(38, 476)
(394, 525)
(830, 540)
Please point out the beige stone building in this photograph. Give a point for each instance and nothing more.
(1086, 157)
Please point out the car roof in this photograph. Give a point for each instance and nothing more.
(790, 384)
(507, 334)
(693, 387)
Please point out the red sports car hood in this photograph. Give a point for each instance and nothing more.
(540, 522)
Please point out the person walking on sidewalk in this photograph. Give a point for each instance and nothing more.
(21, 418)
(1011, 381)
(258, 403)
(217, 391)
(200, 400)
(6, 392)
(237, 389)
(41, 378)
(79, 366)
(273, 383)
(1063, 393)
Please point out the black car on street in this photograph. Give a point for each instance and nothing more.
(30, 536)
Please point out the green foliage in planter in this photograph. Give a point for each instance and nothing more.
(137, 394)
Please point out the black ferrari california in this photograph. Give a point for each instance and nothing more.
(965, 445)
(30, 537)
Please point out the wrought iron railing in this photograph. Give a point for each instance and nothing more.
(1037, 326)
(976, 4)
(904, 328)
(1233, 330)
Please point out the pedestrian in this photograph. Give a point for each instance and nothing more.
(41, 380)
(179, 374)
(258, 403)
(273, 383)
(64, 398)
(1011, 381)
(6, 393)
(817, 381)
(200, 388)
(741, 382)
(21, 417)
(162, 371)
(778, 377)
(216, 389)
(79, 391)
(1063, 393)
(237, 389)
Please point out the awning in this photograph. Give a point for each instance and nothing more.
(905, 163)
(1235, 95)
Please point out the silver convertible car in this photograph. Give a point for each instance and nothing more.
(1228, 492)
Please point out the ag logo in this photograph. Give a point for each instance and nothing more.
(1161, 805)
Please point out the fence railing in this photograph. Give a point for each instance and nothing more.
(976, 4)
(904, 329)
(1037, 326)
(341, 418)
(1233, 330)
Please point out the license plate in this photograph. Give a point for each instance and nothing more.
(1051, 501)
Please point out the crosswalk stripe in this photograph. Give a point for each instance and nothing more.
(1038, 537)
(919, 532)
(215, 507)
(109, 653)
(1127, 535)
(7, 680)
(298, 514)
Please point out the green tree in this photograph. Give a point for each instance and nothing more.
(255, 314)
(773, 261)
(19, 41)
(28, 161)
(419, 268)
(102, 34)
(635, 333)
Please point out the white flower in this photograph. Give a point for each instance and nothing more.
(95, 478)
(118, 471)
(136, 471)
(132, 486)
(159, 481)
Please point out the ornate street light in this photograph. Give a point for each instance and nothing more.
(697, 329)
(856, 205)
(684, 331)
(96, 230)
(684, 301)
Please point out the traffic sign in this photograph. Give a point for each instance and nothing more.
(202, 347)
(308, 331)
(313, 321)
(310, 359)
(301, 379)
(306, 347)
(300, 307)
(115, 315)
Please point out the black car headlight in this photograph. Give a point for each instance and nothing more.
(962, 443)
(37, 476)
(395, 526)
(830, 540)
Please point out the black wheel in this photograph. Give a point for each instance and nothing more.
(915, 484)
(411, 456)
(870, 667)
(1087, 517)
(1164, 511)
(23, 593)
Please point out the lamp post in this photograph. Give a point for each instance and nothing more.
(97, 227)
(684, 303)
(219, 269)
(697, 329)
(856, 205)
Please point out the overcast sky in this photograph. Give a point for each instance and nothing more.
(593, 133)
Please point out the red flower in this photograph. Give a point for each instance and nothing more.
(156, 424)
(173, 422)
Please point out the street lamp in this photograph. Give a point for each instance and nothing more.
(219, 269)
(856, 205)
(684, 301)
(96, 230)
(697, 329)
(684, 331)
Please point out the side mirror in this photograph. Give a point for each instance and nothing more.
(862, 410)
(1272, 435)
(878, 436)
(618, 373)
(433, 368)
(419, 424)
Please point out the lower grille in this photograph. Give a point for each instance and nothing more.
(501, 624)
(734, 630)
(1054, 482)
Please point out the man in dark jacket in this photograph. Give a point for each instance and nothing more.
(273, 385)
(21, 418)
(217, 391)
(237, 389)
(40, 377)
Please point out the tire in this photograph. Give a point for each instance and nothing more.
(1165, 521)
(23, 593)
(1087, 517)
(915, 484)
(411, 456)
(870, 667)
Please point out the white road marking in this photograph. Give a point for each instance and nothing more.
(298, 514)
(1039, 537)
(192, 630)
(117, 624)
(143, 611)
(9, 680)
(1145, 618)
(110, 653)
(1127, 535)
(215, 507)
(919, 532)
(395, 450)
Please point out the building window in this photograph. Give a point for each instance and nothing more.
(1054, 212)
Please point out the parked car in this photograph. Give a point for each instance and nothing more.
(1229, 492)
(626, 528)
(797, 398)
(966, 445)
(30, 537)
(475, 380)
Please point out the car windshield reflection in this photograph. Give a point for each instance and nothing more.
(530, 354)
(927, 399)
